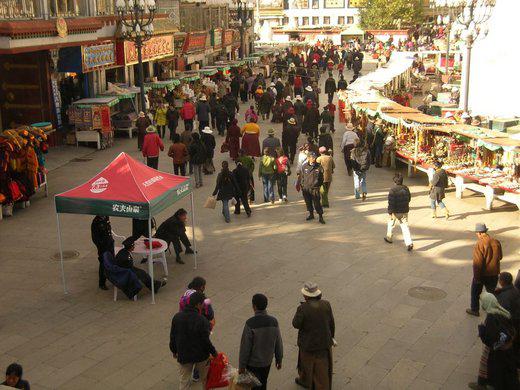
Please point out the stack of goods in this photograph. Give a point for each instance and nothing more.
(22, 163)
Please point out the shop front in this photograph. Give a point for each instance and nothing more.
(195, 50)
(228, 43)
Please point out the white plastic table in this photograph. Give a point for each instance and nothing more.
(158, 254)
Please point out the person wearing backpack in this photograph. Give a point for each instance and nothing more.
(360, 163)
(437, 189)
(266, 172)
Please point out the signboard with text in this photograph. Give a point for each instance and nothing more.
(98, 56)
(195, 41)
(155, 48)
(228, 37)
(216, 38)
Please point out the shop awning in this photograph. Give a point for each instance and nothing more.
(208, 71)
(168, 84)
(104, 101)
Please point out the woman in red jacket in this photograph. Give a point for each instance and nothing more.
(152, 147)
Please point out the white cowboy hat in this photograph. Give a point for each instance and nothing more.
(291, 65)
(207, 130)
(141, 114)
(272, 84)
(448, 115)
(291, 121)
(288, 98)
(308, 88)
(349, 126)
(465, 115)
(298, 97)
(203, 98)
(311, 290)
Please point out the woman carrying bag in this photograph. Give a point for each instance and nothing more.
(225, 190)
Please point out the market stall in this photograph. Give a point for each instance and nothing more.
(124, 119)
(125, 188)
(92, 119)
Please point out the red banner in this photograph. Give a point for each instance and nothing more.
(154, 48)
(228, 37)
(195, 41)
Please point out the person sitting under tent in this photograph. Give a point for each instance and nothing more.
(124, 259)
(173, 231)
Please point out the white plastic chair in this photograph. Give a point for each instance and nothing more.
(115, 295)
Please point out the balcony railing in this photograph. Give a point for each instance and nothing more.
(64, 8)
(18, 9)
(105, 7)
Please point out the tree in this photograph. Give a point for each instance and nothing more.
(390, 14)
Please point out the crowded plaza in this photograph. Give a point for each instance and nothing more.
(326, 212)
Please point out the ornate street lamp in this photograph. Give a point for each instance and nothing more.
(472, 19)
(136, 17)
(245, 17)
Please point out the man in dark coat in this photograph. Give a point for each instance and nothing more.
(330, 87)
(398, 207)
(124, 259)
(172, 116)
(190, 343)
(509, 297)
(173, 231)
(265, 103)
(357, 62)
(309, 94)
(235, 86)
(315, 323)
(299, 109)
(279, 89)
(342, 83)
(101, 232)
(203, 110)
(142, 123)
(231, 104)
(310, 179)
(311, 121)
(213, 109)
(290, 134)
(438, 186)
(325, 139)
(327, 119)
(243, 179)
(221, 117)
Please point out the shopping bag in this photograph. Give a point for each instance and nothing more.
(232, 202)
(217, 373)
(211, 202)
(225, 147)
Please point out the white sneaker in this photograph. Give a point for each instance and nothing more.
(281, 200)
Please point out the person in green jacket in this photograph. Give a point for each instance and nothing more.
(266, 171)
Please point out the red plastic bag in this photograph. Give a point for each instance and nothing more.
(217, 373)
(155, 244)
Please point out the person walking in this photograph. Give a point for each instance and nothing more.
(379, 143)
(330, 87)
(152, 146)
(299, 109)
(290, 134)
(327, 163)
(198, 284)
(398, 207)
(242, 177)
(437, 190)
(271, 142)
(283, 171)
(188, 114)
(310, 180)
(203, 112)
(179, 154)
(101, 232)
(233, 139)
(311, 120)
(265, 104)
(197, 153)
(190, 343)
(487, 254)
(221, 117)
(208, 140)
(251, 139)
(248, 163)
(172, 116)
(225, 189)
(315, 323)
(348, 142)
(142, 123)
(327, 119)
(213, 109)
(360, 163)
(13, 378)
(261, 341)
(160, 119)
(325, 139)
(266, 172)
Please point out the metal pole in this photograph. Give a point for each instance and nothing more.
(193, 231)
(447, 54)
(139, 46)
(61, 254)
(241, 41)
(469, 44)
(150, 258)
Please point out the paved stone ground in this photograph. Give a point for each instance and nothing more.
(387, 339)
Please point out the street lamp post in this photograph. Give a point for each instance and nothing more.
(136, 18)
(472, 18)
(244, 16)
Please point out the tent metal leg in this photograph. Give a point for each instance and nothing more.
(193, 231)
(150, 259)
(61, 254)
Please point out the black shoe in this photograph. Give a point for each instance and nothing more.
(179, 260)
(103, 287)
(473, 312)
(189, 251)
(310, 217)
(248, 214)
(387, 240)
(236, 212)
(409, 247)
(321, 220)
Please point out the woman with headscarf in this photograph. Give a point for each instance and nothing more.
(225, 189)
(498, 362)
(233, 139)
(251, 139)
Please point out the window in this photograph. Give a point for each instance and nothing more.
(350, 20)
(326, 20)
(315, 4)
(315, 20)
(305, 21)
(356, 3)
(285, 21)
(296, 22)
(341, 20)
(64, 7)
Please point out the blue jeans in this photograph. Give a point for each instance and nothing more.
(434, 204)
(268, 182)
(225, 209)
(360, 180)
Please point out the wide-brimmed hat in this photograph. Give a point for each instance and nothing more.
(291, 65)
(308, 88)
(202, 98)
(349, 126)
(270, 131)
(151, 129)
(298, 97)
(448, 115)
(465, 115)
(311, 290)
(272, 84)
(207, 130)
(291, 121)
(141, 114)
(288, 98)
(481, 228)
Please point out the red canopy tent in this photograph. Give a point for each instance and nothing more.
(125, 188)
